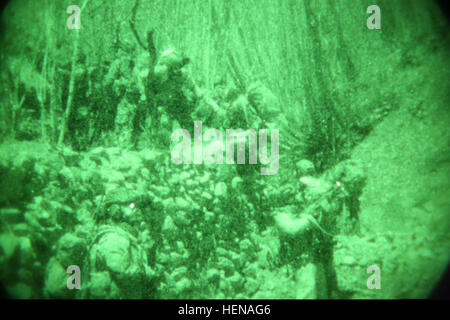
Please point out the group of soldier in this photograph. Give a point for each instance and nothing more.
(156, 97)
(167, 94)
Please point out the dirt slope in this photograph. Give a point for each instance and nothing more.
(405, 207)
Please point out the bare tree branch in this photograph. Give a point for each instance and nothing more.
(71, 84)
(132, 26)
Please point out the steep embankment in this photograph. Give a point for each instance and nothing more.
(405, 207)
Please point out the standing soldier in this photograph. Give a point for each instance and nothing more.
(119, 78)
(176, 94)
(328, 206)
(124, 120)
(173, 89)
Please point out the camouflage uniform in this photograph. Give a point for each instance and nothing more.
(257, 109)
(330, 206)
(266, 104)
(123, 122)
(120, 79)
(241, 115)
(174, 90)
(141, 71)
(349, 176)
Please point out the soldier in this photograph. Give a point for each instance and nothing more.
(176, 93)
(123, 122)
(265, 104)
(327, 206)
(258, 108)
(350, 178)
(125, 95)
(173, 89)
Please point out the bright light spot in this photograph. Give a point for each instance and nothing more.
(338, 183)
(168, 51)
(132, 205)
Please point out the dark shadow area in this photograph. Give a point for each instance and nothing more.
(442, 290)
(444, 5)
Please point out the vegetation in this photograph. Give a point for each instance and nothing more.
(85, 171)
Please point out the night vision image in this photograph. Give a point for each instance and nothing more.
(211, 149)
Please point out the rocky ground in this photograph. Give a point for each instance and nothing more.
(139, 227)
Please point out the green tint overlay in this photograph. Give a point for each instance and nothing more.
(93, 205)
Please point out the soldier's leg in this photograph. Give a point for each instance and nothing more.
(323, 259)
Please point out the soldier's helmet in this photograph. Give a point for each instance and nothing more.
(173, 60)
(351, 173)
(169, 63)
(262, 99)
(305, 168)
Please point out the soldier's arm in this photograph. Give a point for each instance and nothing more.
(199, 94)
